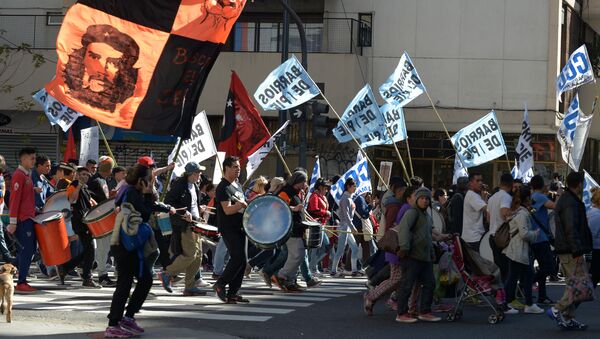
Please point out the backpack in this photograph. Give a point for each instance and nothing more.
(503, 235)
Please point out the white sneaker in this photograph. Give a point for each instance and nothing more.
(533, 309)
(202, 283)
(511, 310)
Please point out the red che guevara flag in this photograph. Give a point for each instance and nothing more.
(71, 150)
(243, 130)
(140, 64)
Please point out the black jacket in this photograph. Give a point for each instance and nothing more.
(297, 217)
(455, 213)
(573, 235)
(98, 188)
(179, 196)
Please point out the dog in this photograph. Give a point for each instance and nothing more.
(7, 289)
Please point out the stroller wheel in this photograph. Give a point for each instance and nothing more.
(501, 316)
(493, 319)
(451, 317)
(459, 314)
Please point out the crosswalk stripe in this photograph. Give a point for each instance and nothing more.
(197, 315)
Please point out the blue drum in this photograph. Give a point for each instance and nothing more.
(164, 223)
(268, 222)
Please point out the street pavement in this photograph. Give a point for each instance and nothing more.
(333, 310)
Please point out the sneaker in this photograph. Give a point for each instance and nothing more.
(193, 292)
(573, 325)
(391, 304)
(516, 304)
(279, 282)
(89, 283)
(367, 305)
(116, 332)
(545, 301)
(62, 274)
(336, 274)
(202, 283)
(74, 274)
(220, 292)
(131, 326)
(238, 299)
(430, 317)
(293, 288)
(105, 281)
(510, 310)
(555, 315)
(24, 288)
(165, 280)
(266, 278)
(533, 309)
(176, 278)
(405, 318)
(314, 282)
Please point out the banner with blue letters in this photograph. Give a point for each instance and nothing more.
(480, 142)
(360, 173)
(572, 134)
(588, 184)
(56, 112)
(578, 71)
(394, 118)
(288, 86)
(403, 85)
(524, 149)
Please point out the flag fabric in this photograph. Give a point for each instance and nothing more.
(198, 147)
(89, 144)
(480, 142)
(140, 64)
(403, 85)
(217, 173)
(524, 149)
(459, 170)
(394, 118)
(363, 120)
(243, 130)
(588, 184)
(360, 173)
(316, 174)
(578, 71)
(71, 150)
(256, 158)
(572, 134)
(57, 113)
(515, 171)
(288, 86)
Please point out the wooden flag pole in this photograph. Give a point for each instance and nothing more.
(163, 194)
(412, 172)
(398, 153)
(106, 143)
(356, 141)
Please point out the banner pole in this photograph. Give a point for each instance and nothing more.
(163, 194)
(356, 141)
(508, 162)
(412, 172)
(398, 153)
(106, 143)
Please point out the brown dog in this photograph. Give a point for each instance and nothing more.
(7, 289)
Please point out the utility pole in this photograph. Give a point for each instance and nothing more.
(283, 115)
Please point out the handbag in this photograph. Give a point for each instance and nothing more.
(579, 288)
(367, 228)
(389, 241)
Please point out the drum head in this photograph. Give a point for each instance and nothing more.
(57, 202)
(99, 212)
(207, 227)
(47, 217)
(311, 224)
(268, 221)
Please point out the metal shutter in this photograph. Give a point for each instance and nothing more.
(11, 144)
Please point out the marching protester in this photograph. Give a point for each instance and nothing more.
(499, 210)
(456, 206)
(186, 245)
(573, 239)
(318, 208)
(136, 207)
(4, 252)
(229, 200)
(473, 212)
(346, 228)
(593, 216)
(22, 210)
(92, 166)
(42, 187)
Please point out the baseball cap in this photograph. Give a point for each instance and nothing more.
(193, 167)
(146, 161)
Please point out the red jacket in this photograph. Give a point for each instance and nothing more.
(318, 207)
(22, 196)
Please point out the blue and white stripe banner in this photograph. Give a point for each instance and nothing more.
(572, 134)
(360, 173)
(578, 71)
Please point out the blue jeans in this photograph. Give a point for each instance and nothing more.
(277, 261)
(25, 234)
(306, 274)
(339, 252)
(221, 255)
(317, 254)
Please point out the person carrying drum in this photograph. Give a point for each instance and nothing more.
(229, 200)
(318, 208)
(186, 244)
(290, 193)
(98, 187)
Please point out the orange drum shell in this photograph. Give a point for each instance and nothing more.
(53, 242)
(103, 227)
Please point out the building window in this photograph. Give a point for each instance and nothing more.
(54, 18)
(365, 23)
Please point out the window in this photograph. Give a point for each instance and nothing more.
(54, 18)
(365, 21)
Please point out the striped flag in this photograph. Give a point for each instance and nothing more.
(256, 158)
(316, 174)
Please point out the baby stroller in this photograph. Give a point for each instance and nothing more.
(480, 278)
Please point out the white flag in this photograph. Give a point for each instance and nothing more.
(588, 184)
(480, 142)
(199, 147)
(459, 170)
(256, 158)
(404, 84)
(360, 174)
(89, 144)
(316, 174)
(524, 149)
(218, 173)
(572, 134)
(578, 71)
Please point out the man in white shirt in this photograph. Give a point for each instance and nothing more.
(499, 212)
(473, 212)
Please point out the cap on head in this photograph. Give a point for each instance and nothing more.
(146, 161)
(193, 167)
(423, 192)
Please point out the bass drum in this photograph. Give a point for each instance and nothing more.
(268, 222)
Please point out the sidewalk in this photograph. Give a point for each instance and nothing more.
(52, 329)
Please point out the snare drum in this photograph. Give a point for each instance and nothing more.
(206, 230)
(59, 202)
(268, 222)
(52, 238)
(313, 235)
(163, 220)
(101, 219)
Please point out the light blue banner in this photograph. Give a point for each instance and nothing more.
(480, 142)
(588, 184)
(404, 84)
(363, 120)
(56, 112)
(394, 118)
(288, 86)
(578, 71)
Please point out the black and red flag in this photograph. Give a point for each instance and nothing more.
(243, 129)
(140, 64)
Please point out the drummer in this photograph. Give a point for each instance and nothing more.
(186, 245)
(42, 186)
